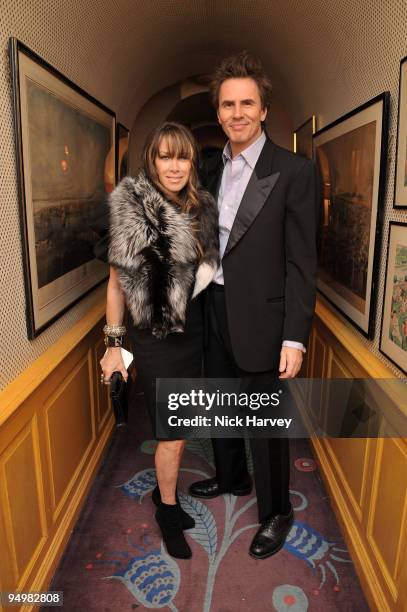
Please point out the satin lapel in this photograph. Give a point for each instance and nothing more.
(257, 191)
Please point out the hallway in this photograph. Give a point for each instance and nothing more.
(82, 84)
(114, 560)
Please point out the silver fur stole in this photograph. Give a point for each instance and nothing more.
(152, 245)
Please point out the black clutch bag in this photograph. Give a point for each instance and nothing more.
(118, 395)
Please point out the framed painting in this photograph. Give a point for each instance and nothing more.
(400, 181)
(122, 151)
(65, 145)
(303, 137)
(393, 336)
(351, 154)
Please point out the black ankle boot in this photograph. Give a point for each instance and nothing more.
(187, 521)
(168, 516)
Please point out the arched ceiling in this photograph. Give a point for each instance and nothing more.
(131, 49)
(159, 43)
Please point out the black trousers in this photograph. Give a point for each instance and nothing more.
(270, 456)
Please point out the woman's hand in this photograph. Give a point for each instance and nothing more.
(112, 362)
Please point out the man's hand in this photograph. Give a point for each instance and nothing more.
(290, 362)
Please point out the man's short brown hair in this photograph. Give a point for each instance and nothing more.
(241, 66)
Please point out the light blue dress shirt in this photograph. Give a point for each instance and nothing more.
(236, 175)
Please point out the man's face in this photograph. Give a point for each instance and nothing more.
(240, 112)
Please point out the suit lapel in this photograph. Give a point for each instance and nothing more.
(259, 187)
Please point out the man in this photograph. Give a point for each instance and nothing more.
(261, 303)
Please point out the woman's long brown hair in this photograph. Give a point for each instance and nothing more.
(181, 143)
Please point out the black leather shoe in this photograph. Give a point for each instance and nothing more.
(208, 489)
(271, 535)
(187, 521)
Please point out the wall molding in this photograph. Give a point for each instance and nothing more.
(374, 538)
(36, 413)
(27, 382)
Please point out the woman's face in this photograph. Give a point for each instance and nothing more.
(173, 172)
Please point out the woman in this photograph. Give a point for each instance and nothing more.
(163, 251)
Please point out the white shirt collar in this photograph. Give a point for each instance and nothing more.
(251, 154)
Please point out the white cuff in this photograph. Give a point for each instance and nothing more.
(297, 345)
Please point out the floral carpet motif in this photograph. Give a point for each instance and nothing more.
(115, 559)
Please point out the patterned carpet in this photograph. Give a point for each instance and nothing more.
(115, 560)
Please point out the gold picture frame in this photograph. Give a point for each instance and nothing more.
(393, 336)
(400, 179)
(302, 137)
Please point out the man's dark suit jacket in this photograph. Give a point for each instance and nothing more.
(270, 259)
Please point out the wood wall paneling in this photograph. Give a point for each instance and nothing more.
(54, 428)
(103, 407)
(349, 457)
(70, 430)
(23, 501)
(366, 478)
(57, 421)
(316, 371)
(387, 519)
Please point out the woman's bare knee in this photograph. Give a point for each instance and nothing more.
(171, 447)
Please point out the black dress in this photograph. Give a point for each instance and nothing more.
(178, 355)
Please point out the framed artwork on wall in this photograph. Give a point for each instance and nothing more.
(65, 144)
(351, 154)
(393, 336)
(122, 151)
(303, 137)
(400, 182)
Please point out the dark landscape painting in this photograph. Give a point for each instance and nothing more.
(68, 150)
(347, 169)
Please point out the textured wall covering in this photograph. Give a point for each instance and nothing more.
(324, 56)
(48, 30)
